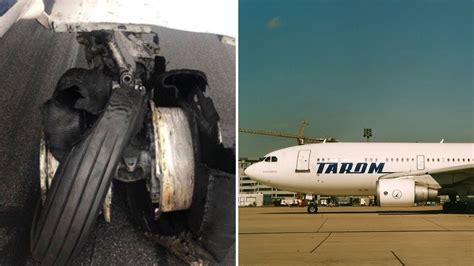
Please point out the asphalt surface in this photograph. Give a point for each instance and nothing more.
(31, 61)
(355, 236)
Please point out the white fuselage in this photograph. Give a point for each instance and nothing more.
(338, 169)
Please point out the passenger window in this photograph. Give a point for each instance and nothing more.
(274, 159)
(268, 159)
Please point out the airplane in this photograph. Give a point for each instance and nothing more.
(398, 174)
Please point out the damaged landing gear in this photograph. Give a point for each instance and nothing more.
(104, 123)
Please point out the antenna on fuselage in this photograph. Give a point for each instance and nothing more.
(367, 133)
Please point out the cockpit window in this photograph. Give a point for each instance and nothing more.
(268, 159)
(274, 159)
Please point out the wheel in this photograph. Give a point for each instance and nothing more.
(469, 207)
(312, 209)
(448, 207)
(207, 217)
(455, 207)
(82, 180)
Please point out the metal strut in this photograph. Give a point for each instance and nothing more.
(125, 70)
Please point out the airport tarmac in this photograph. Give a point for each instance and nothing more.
(355, 236)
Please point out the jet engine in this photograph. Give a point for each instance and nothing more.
(403, 192)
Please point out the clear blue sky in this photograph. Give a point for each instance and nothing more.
(402, 68)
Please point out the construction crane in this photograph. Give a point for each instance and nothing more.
(300, 138)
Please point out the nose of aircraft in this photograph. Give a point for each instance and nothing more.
(251, 171)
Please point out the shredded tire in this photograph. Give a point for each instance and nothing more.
(82, 180)
(79, 98)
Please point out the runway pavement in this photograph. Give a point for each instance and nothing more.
(355, 236)
(31, 61)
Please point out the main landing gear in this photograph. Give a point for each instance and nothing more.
(454, 206)
(458, 207)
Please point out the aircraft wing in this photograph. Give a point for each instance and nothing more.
(437, 178)
(211, 16)
(208, 16)
(13, 10)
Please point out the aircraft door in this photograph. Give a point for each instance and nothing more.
(420, 162)
(302, 162)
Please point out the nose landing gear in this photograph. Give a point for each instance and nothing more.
(103, 124)
(312, 208)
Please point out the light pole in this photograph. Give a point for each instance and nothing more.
(367, 133)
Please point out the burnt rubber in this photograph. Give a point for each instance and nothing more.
(82, 180)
